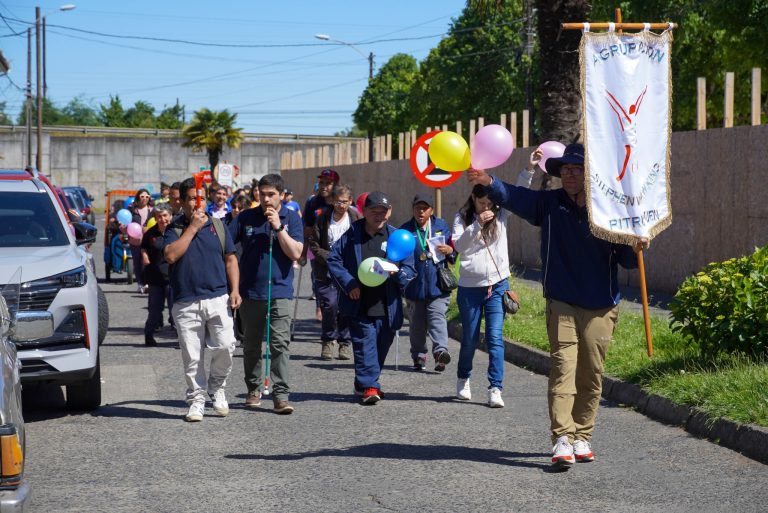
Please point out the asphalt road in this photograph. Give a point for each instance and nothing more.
(417, 450)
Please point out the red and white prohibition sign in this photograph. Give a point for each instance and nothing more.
(424, 169)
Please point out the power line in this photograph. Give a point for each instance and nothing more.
(13, 32)
(299, 94)
(264, 45)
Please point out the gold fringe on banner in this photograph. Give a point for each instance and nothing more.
(662, 224)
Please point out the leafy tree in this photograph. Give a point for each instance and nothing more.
(474, 71)
(353, 131)
(78, 112)
(211, 131)
(5, 119)
(170, 117)
(52, 115)
(383, 106)
(141, 115)
(113, 114)
(714, 36)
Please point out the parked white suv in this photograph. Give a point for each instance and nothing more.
(57, 278)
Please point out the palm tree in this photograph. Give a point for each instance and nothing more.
(212, 131)
(559, 91)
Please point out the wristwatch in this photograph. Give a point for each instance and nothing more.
(282, 227)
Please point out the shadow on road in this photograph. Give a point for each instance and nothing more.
(411, 452)
(126, 409)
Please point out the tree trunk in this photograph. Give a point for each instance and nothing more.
(559, 93)
(213, 158)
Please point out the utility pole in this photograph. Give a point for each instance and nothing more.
(370, 130)
(45, 61)
(39, 161)
(28, 106)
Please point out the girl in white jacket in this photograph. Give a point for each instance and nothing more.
(480, 237)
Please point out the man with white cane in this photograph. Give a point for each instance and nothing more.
(272, 239)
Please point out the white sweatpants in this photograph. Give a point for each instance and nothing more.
(195, 319)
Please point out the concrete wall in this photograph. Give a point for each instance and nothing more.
(105, 162)
(719, 203)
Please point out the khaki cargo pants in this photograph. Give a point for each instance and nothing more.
(578, 340)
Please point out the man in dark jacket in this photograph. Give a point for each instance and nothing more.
(375, 313)
(427, 304)
(255, 229)
(582, 290)
(156, 273)
(329, 228)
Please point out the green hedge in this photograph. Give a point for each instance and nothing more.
(724, 308)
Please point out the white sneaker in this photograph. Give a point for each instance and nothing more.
(494, 398)
(196, 412)
(220, 405)
(562, 452)
(583, 451)
(463, 391)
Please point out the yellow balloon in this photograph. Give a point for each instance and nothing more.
(152, 222)
(449, 151)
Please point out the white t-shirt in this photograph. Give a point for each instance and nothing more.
(337, 228)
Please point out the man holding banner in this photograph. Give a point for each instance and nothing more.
(580, 281)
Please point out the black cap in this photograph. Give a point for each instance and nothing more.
(377, 199)
(573, 154)
(422, 198)
(287, 192)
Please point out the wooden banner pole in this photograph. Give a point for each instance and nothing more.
(438, 202)
(619, 26)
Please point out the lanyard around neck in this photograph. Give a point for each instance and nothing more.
(423, 239)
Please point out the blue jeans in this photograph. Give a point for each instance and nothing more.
(371, 339)
(473, 302)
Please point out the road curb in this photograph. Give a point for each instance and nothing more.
(747, 439)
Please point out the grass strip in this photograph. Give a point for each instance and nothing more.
(732, 386)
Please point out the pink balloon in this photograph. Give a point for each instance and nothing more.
(551, 149)
(134, 230)
(493, 146)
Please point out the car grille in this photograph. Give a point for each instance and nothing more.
(34, 298)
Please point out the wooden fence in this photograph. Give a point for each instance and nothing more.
(356, 152)
(755, 104)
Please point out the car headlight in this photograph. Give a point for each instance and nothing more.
(74, 278)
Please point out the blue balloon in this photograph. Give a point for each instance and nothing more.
(129, 201)
(400, 245)
(124, 216)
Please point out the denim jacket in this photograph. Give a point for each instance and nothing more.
(343, 261)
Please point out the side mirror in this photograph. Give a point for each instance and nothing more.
(31, 326)
(84, 233)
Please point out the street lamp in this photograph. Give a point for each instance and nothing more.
(65, 7)
(40, 19)
(369, 58)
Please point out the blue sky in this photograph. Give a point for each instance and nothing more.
(306, 89)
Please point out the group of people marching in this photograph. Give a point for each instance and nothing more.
(240, 254)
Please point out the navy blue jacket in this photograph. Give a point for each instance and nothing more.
(424, 286)
(251, 229)
(578, 268)
(343, 261)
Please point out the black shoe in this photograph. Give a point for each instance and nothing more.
(150, 340)
(441, 359)
(420, 363)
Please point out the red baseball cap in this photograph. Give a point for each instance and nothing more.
(329, 174)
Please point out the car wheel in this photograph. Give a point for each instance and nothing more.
(129, 270)
(103, 316)
(86, 395)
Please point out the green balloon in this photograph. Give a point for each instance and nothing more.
(366, 275)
